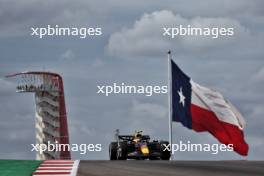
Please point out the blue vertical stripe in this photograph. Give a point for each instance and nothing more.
(180, 82)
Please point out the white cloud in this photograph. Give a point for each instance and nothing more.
(145, 36)
(16, 16)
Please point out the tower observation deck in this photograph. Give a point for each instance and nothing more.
(51, 118)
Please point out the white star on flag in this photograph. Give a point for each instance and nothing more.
(182, 97)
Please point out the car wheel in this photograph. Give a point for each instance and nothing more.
(113, 150)
(122, 151)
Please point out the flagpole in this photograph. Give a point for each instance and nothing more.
(169, 99)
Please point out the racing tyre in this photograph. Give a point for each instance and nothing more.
(113, 150)
(122, 151)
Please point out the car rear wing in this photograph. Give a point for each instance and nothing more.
(131, 137)
(128, 137)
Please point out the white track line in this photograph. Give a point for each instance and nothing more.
(75, 168)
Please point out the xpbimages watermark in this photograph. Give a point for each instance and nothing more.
(57, 147)
(80, 32)
(123, 88)
(213, 32)
(192, 147)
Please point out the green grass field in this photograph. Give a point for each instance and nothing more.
(18, 167)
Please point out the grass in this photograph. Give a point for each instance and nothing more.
(18, 167)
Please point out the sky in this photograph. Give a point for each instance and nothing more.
(130, 50)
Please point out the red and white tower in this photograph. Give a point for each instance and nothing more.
(51, 118)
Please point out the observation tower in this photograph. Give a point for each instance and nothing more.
(51, 118)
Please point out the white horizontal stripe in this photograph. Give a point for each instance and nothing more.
(198, 102)
(56, 161)
(56, 164)
(215, 102)
(48, 162)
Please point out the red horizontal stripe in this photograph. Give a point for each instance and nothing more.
(205, 120)
(54, 168)
(50, 173)
(51, 165)
(60, 162)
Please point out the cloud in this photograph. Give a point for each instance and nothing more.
(67, 55)
(17, 122)
(5, 87)
(16, 16)
(149, 109)
(145, 36)
(259, 76)
(97, 63)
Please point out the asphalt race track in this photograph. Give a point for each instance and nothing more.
(175, 168)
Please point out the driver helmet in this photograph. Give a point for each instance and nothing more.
(137, 136)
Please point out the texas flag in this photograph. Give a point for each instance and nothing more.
(203, 109)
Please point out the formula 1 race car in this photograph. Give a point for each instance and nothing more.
(138, 147)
